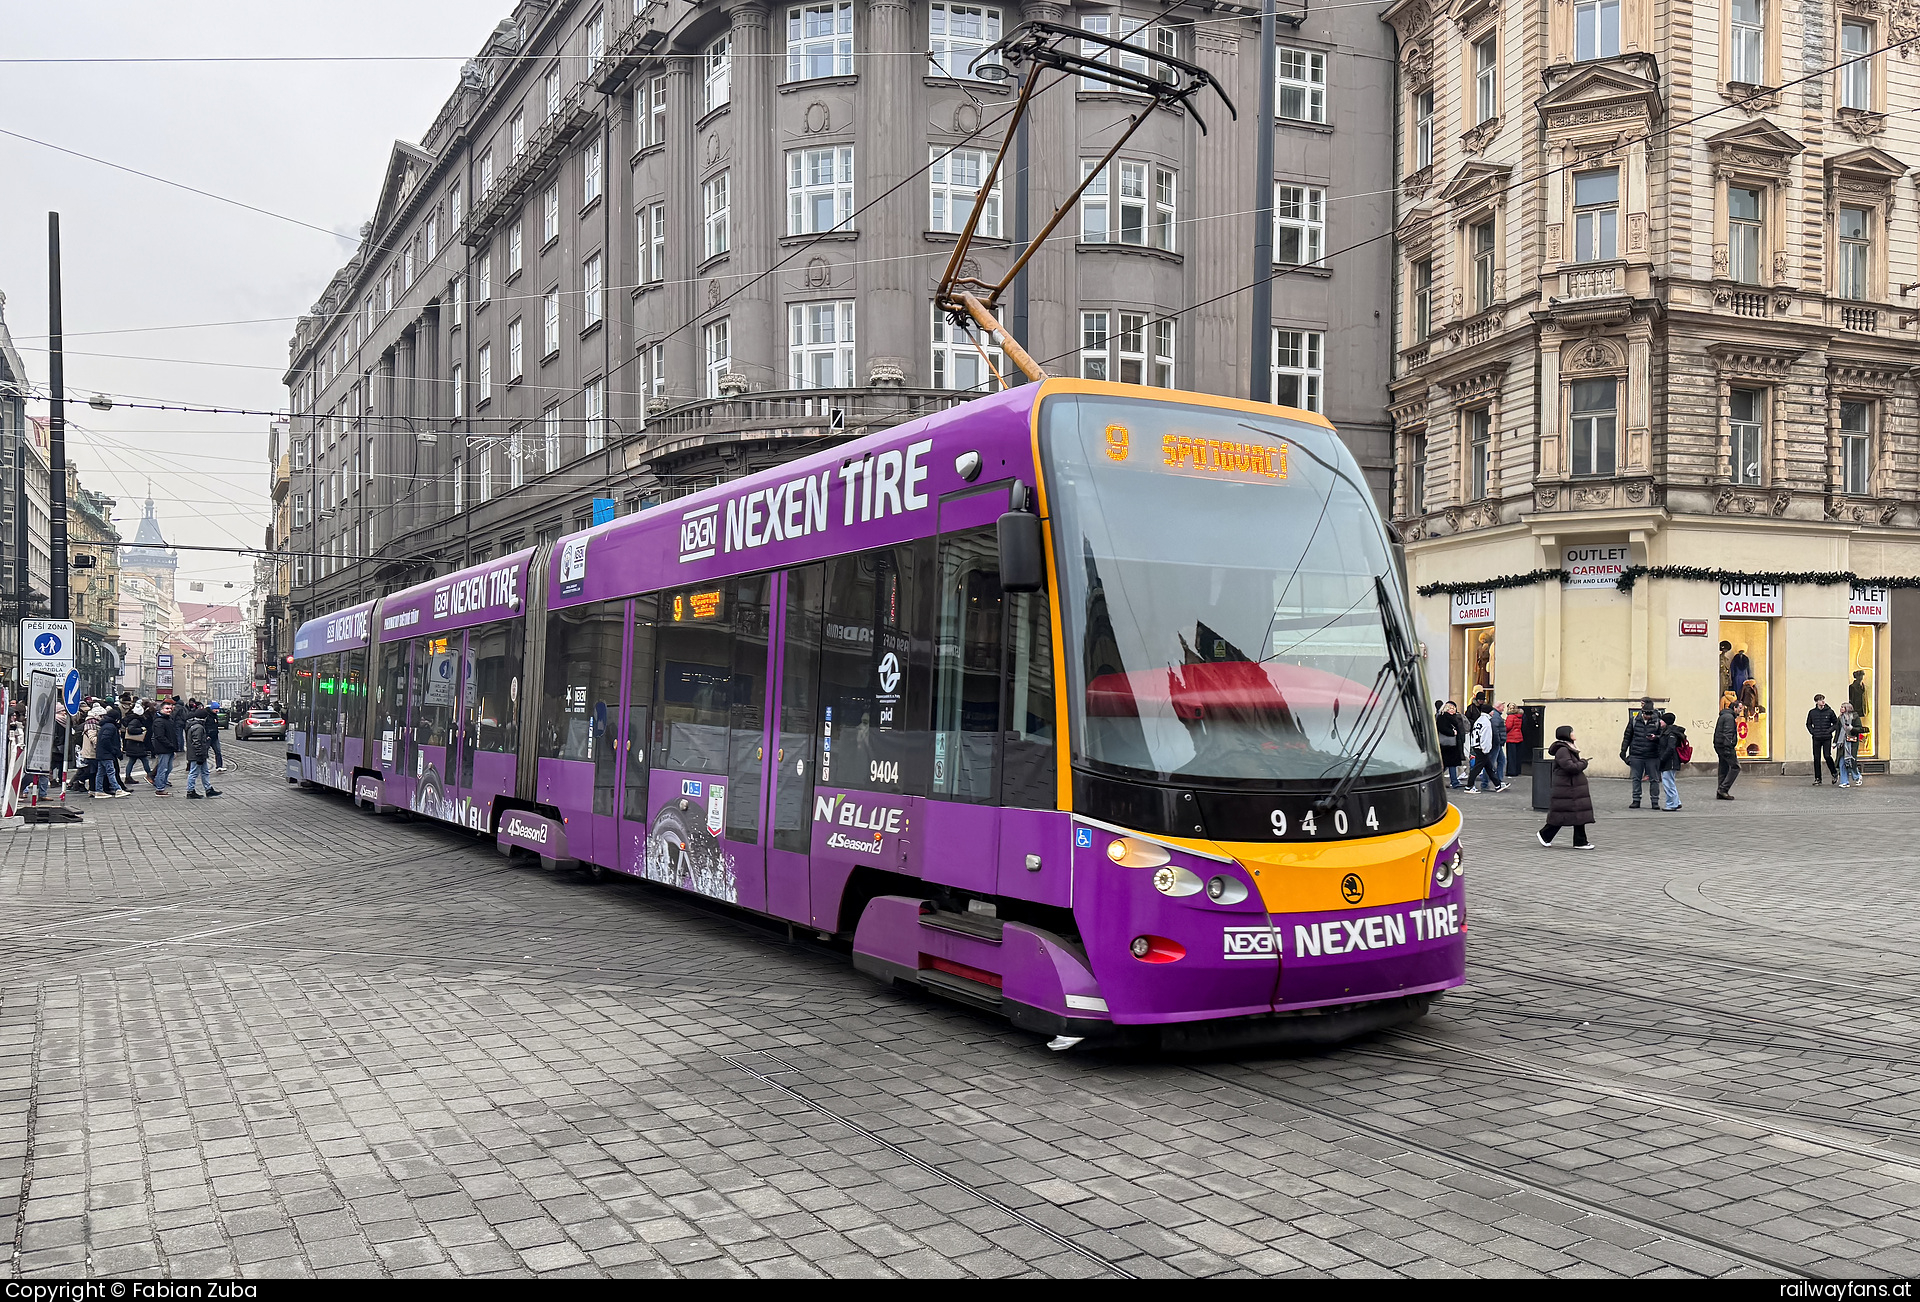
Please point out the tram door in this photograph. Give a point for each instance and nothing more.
(795, 718)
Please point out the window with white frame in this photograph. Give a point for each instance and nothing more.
(657, 111)
(517, 135)
(1596, 215)
(386, 290)
(1481, 248)
(486, 470)
(593, 307)
(1300, 85)
(955, 178)
(957, 357)
(454, 209)
(657, 371)
(550, 436)
(1749, 42)
(1299, 225)
(457, 382)
(550, 214)
(516, 352)
(1856, 448)
(714, 202)
(1129, 202)
(819, 189)
(1131, 342)
(1095, 340)
(590, 169)
(483, 278)
(486, 173)
(1592, 414)
(301, 575)
(550, 322)
(1422, 300)
(553, 93)
(957, 36)
(433, 236)
(719, 354)
(1143, 40)
(1746, 234)
(1162, 365)
(1855, 254)
(653, 238)
(366, 324)
(458, 473)
(1416, 473)
(457, 296)
(1596, 29)
(1856, 74)
(717, 62)
(1486, 78)
(1423, 129)
(516, 460)
(1746, 428)
(596, 38)
(820, 345)
(515, 253)
(483, 373)
(595, 404)
(1297, 369)
(1479, 454)
(300, 510)
(820, 41)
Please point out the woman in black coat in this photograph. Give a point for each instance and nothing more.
(1447, 723)
(1572, 804)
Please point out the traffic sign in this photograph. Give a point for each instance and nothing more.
(72, 691)
(49, 646)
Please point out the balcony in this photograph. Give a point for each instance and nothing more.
(638, 40)
(282, 476)
(800, 410)
(1865, 320)
(1593, 282)
(525, 172)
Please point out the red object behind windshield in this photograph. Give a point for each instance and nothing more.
(1229, 688)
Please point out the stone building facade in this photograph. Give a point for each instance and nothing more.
(1656, 306)
(640, 251)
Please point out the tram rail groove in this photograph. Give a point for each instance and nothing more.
(767, 1078)
(1663, 1229)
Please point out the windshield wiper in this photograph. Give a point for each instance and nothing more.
(1371, 726)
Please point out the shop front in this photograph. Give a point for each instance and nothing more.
(1473, 646)
(1748, 614)
(1868, 617)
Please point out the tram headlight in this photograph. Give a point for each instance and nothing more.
(1175, 881)
(1132, 852)
(1226, 890)
(1449, 864)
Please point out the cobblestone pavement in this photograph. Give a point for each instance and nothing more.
(223, 1049)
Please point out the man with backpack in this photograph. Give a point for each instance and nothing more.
(199, 733)
(1640, 748)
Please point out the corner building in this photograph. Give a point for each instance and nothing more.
(644, 249)
(1656, 306)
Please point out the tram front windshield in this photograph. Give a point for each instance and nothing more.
(1221, 612)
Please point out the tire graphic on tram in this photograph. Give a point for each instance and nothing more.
(682, 852)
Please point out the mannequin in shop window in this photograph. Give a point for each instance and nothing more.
(1857, 695)
(1726, 666)
(1739, 672)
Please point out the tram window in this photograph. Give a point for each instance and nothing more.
(390, 706)
(876, 671)
(326, 712)
(417, 694)
(353, 691)
(967, 669)
(747, 716)
(493, 691)
(298, 694)
(799, 712)
(710, 690)
(436, 668)
(1027, 775)
(580, 702)
(640, 705)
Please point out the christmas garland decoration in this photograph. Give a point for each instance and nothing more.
(1695, 573)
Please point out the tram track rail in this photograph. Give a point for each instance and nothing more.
(1662, 1227)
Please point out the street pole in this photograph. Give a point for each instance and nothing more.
(56, 424)
(1021, 234)
(1259, 377)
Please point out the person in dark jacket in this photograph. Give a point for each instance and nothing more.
(106, 754)
(1822, 723)
(165, 742)
(1726, 744)
(1640, 748)
(135, 732)
(1447, 724)
(199, 733)
(1571, 804)
(1673, 739)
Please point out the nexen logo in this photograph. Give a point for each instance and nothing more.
(845, 813)
(530, 831)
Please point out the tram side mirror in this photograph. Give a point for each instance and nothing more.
(1022, 567)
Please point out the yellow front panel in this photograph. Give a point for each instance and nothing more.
(1302, 877)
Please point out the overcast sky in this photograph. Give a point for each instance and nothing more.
(144, 261)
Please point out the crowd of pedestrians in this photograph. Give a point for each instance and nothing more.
(1487, 739)
(111, 738)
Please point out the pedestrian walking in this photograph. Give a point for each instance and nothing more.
(1571, 804)
(1726, 745)
(1516, 742)
(134, 734)
(199, 735)
(1846, 746)
(1675, 750)
(89, 743)
(1447, 724)
(106, 756)
(1822, 722)
(1482, 751)
(165, 742)
(1639, 748)
(214, 723)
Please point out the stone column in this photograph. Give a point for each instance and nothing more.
(1546, 647)
(757, 198)
(893, 329)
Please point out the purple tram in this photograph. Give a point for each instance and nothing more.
(1089, 704)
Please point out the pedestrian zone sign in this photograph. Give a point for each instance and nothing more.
(49, 646)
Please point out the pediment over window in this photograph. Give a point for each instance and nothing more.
(1873, 167)
(1468, 12)
(1598, 93)
(1755, 145)
(405, 168)
(1477, 183)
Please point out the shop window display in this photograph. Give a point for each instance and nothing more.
(1744, 681)
(1478, 660)
(1860, 665)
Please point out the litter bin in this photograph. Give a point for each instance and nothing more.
(1542, 781)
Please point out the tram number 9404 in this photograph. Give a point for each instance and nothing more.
(1310, 824)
